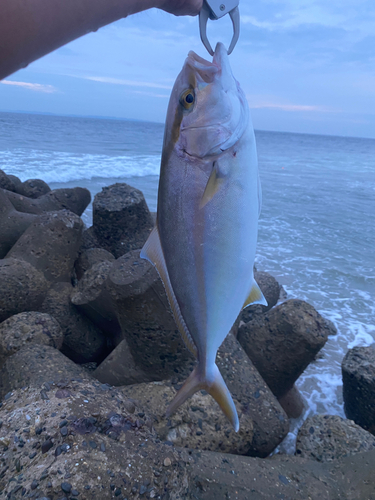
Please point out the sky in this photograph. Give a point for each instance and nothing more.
(305, 65)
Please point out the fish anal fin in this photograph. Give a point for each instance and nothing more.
(216, 388)
(255, 296)
(212, 187)
(153, 252)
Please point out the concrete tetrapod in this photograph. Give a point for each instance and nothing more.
(283, 342)
(51, 244)
(23, 288)
(73, 199)
(121, 219)
(358, 376)
(12, 224)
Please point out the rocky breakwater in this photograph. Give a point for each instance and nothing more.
(90, 357)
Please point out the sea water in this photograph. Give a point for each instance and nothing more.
(316, 231)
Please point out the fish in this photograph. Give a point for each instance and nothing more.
(204, 240)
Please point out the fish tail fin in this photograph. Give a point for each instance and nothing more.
(191, 385)
(220, 392)
(216, 387)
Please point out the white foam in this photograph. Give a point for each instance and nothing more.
(65, 167)
(364, 335)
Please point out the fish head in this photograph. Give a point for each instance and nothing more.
(208, 111)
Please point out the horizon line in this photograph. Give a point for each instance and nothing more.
(104, 117)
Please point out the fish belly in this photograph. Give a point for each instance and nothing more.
(210, 251)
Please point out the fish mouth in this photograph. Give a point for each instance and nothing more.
(207, 70)
(196, 59)
(204, 70)
(220, 55)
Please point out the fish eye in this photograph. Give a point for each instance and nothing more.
(187, 98)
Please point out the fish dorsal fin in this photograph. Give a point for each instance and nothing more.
(153, 252)
(255, 296)
(212, 186)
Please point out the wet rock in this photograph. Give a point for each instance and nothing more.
(33, 188)
(283, 342)
(34, 365)
(121, 219)
(200, 423)
(132, 460)
(73, 199)
(12, 224)
(28, 328)
(92, 298)
(89, 257)
(146, 321)
(23, 288)
(271, 291)
(119, 368)
(83, 341)
(51, 244)
(292, 403)
(358, 375)
(6, 182)
(329, 437)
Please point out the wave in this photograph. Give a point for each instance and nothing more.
(56, 166)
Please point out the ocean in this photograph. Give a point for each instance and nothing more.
(316, 231)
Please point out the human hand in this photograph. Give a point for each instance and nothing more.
(182, 7)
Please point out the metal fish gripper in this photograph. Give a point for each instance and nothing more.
(216, 9)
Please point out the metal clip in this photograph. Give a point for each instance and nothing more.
(214, 9)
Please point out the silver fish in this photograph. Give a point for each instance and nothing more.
(203, 244)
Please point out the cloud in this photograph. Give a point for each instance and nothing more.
(130, 83)
(287, 107)
(37, 87)
(286, 14)
(312, 31)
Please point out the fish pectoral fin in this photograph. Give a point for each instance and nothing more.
(255, 296)
(213, 185)
(217, 389)
(153, 252)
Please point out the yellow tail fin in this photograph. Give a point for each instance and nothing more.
(217, 389)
